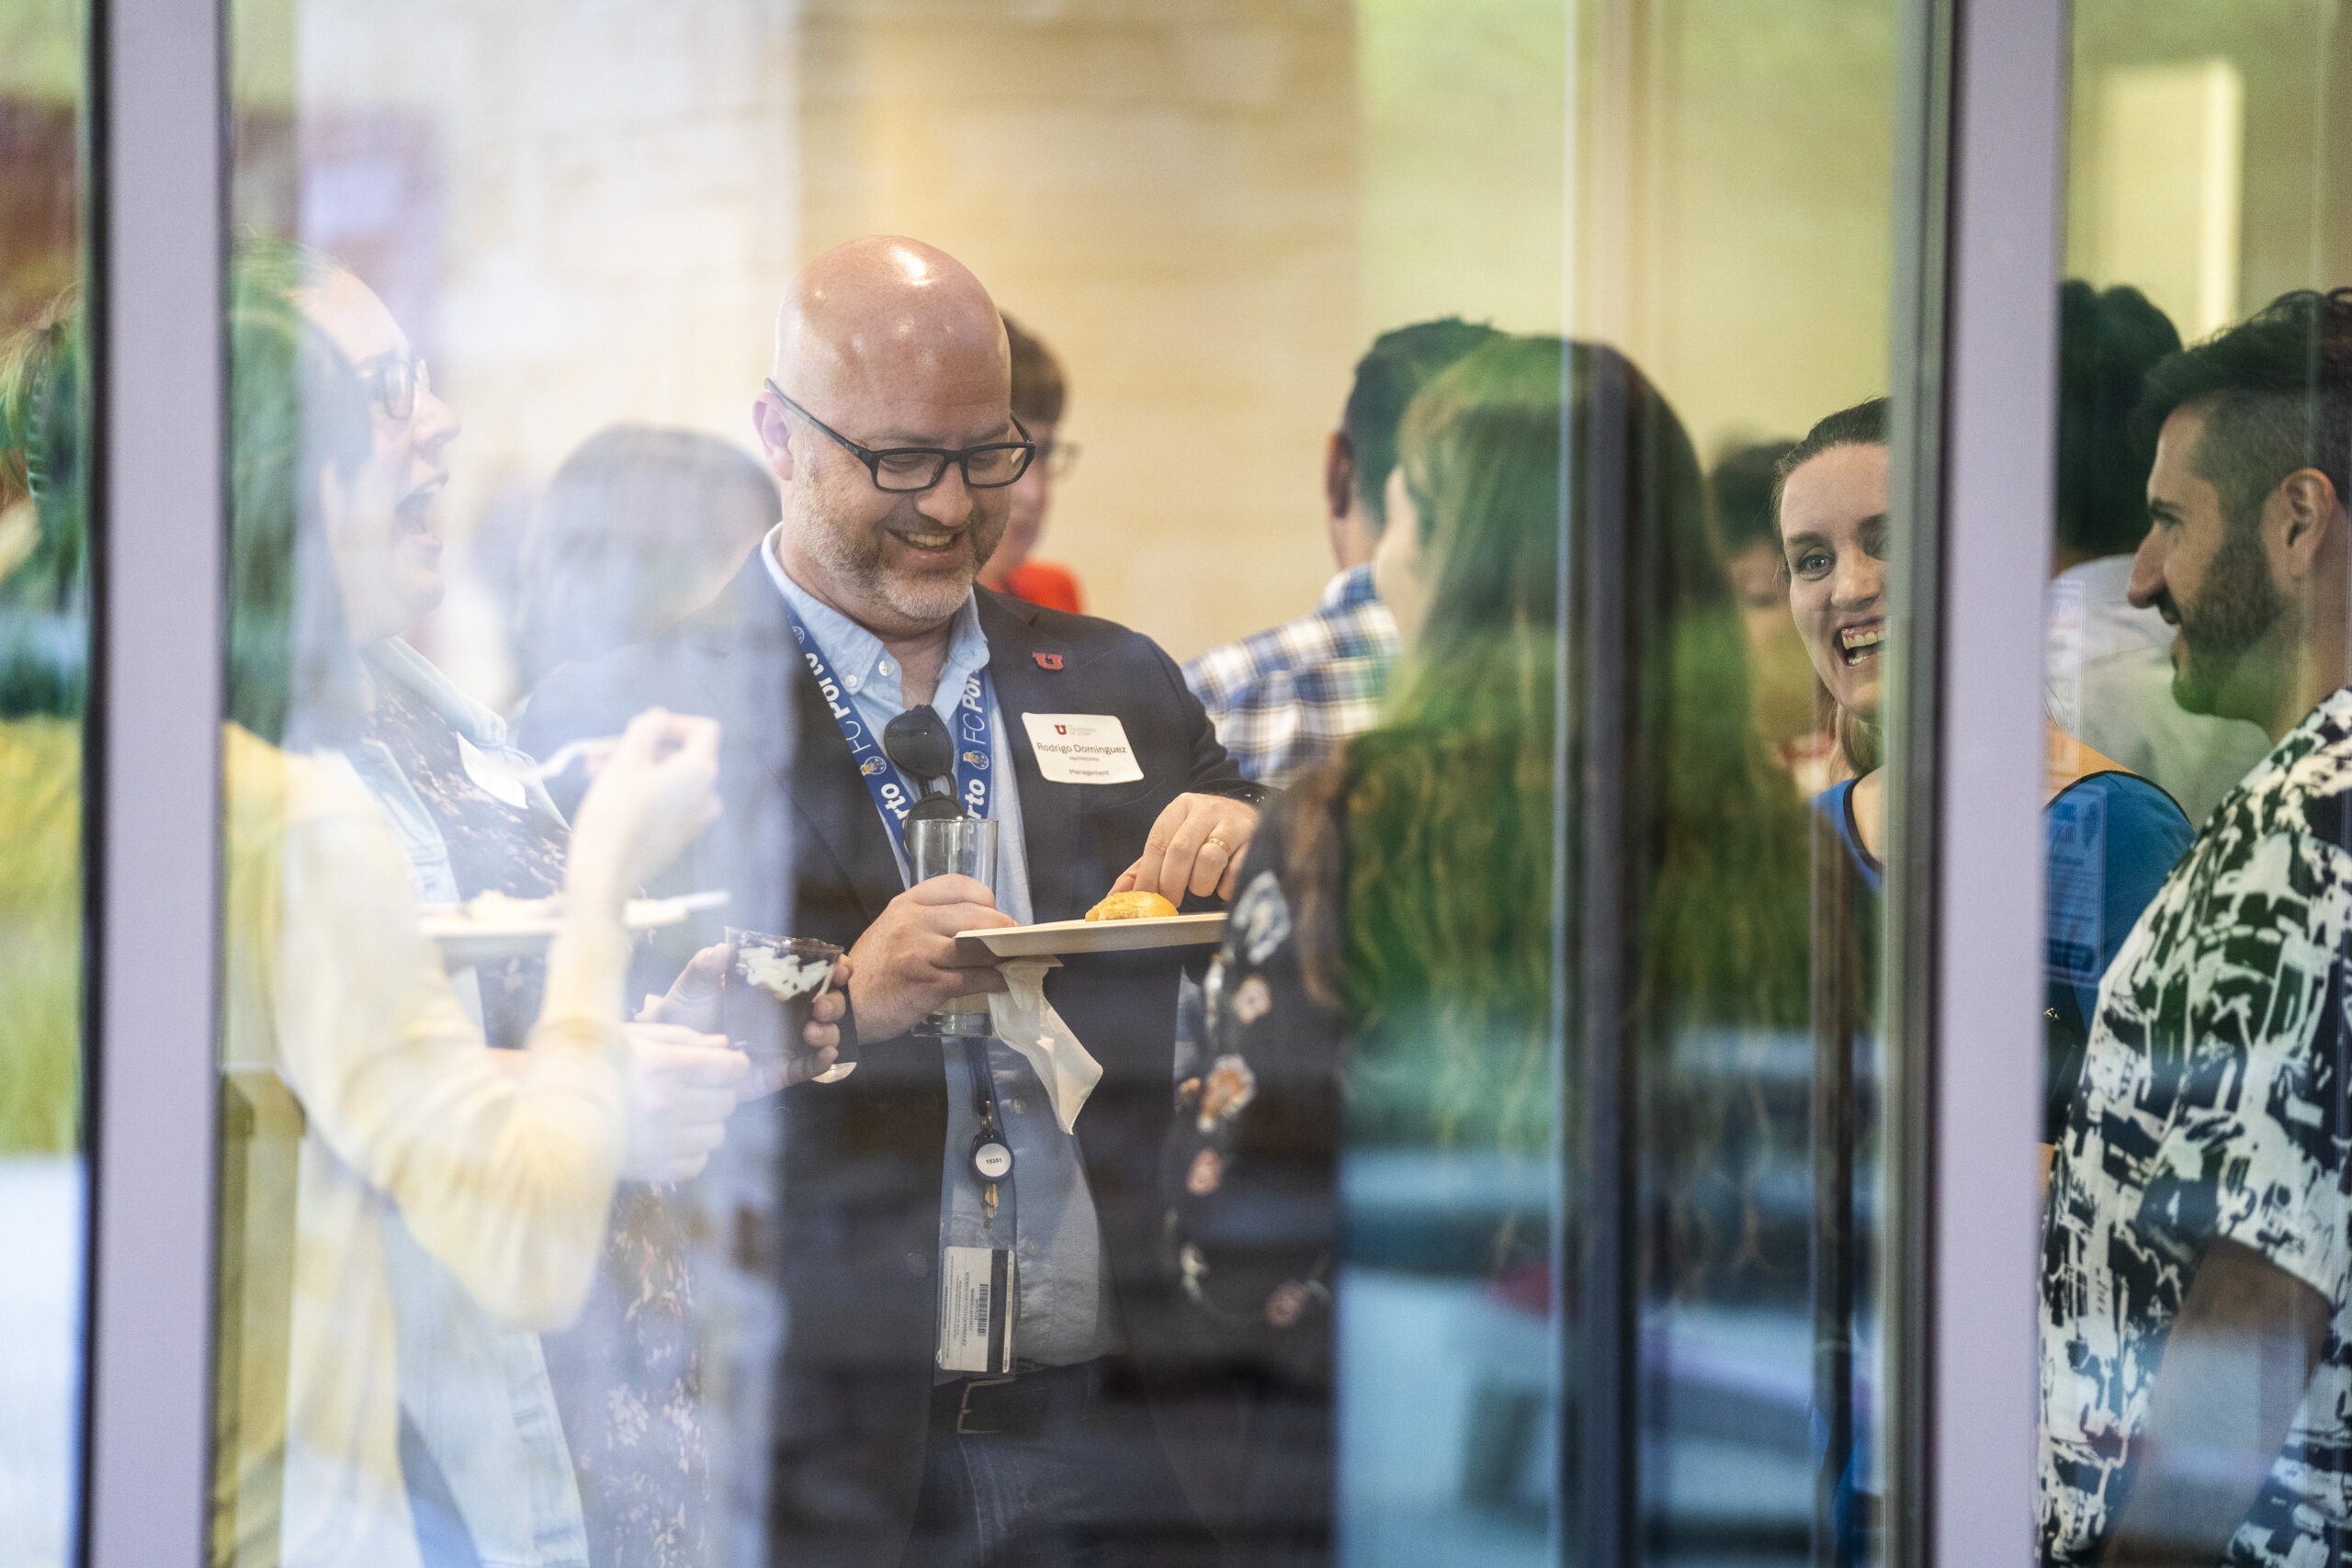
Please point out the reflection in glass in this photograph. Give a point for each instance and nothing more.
(2193, 1400)
(1301, 276)
(44, 661)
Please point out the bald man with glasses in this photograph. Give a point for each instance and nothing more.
(888, 424)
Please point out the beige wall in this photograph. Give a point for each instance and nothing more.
(2293, 58)
(1208, 207)
(1734, 190)
(1165, 193)
(618, 201)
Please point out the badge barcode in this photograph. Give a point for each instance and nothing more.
(980, 1313)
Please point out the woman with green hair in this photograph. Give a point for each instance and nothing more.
(1389, 973)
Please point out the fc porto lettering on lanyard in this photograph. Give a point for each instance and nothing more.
(975, 746)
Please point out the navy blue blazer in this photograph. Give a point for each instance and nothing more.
(859, 1162)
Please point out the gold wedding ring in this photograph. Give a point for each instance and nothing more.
(1220, 843)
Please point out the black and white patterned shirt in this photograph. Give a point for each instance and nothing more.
(2212, 1107)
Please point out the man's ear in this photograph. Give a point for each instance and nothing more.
(2309, 510)
(1339, 473)
(775, 438)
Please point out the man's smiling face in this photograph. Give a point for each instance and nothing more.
(891, 342)
(392, 577)
(899, 561)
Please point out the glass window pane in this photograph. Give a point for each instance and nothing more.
(1430, 1111)
(44, 647)
(2191, 1349)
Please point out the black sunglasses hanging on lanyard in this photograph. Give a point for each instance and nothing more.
(918, 746)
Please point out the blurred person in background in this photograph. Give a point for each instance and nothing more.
(1283, 699)
(2108, 665)
(1040, 397)
(2197, 1262)
(1386, 982)
(2112, 836)
(44, 617)
(639, 529)
(490, 1432)
(1791, 709)
(498, 1166)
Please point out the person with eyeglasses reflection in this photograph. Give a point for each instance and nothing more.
(2197, 1260)
(1040, 397)
(508, 1460)
(499, 1165)
(887, 421)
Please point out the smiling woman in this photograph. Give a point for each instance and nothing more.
(1832, 509)
(2111, 835)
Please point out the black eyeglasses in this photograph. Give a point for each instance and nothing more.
(906, 470)
(393, 385)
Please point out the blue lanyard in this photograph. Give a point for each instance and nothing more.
(974, 743)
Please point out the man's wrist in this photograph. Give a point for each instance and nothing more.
(878, 1013)
(1242, 790)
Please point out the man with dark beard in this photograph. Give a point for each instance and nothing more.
(888, 427)
(2196, 1277)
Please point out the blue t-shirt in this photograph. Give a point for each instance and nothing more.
(2109, 839)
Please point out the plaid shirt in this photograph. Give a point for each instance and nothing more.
(1283, 700)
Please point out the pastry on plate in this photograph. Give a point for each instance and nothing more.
(1139, 905)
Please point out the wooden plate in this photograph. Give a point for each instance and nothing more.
(1058, 937)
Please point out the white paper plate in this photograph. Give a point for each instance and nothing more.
(463, 940)
(1092, 936)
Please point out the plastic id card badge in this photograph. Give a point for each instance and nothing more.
(975, 1310)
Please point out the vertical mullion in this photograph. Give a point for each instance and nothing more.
(1910, 942)
(1999, 472)
(1979, 360)
(1605, 961)
(158, 237)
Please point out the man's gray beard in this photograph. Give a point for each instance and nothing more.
(857, 563)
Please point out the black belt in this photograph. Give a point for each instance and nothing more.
(1019, 1407)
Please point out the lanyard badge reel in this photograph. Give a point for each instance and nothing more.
(918, 745)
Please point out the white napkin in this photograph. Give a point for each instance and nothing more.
(1027, 1021)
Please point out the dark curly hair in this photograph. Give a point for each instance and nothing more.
(2277, 392)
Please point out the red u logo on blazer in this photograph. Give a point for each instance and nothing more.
(1047, 660)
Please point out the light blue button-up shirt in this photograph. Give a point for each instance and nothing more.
(1046, 1213)
(476, 1390)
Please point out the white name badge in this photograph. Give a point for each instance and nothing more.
(975, 1310)
(1083, 748)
